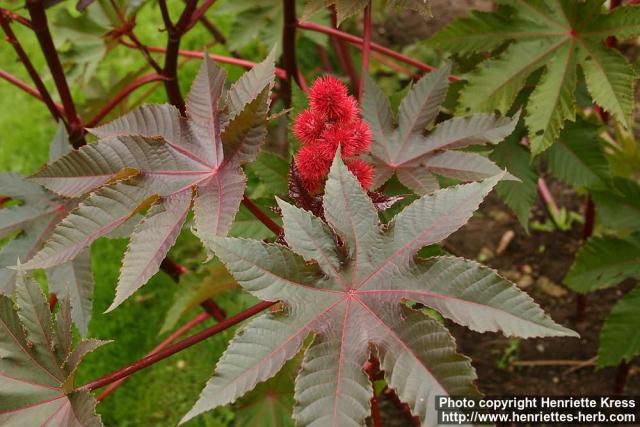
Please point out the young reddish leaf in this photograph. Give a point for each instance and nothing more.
(37, 378)
(351, 296)
(36, 218)
(154, 158)
(415, 158)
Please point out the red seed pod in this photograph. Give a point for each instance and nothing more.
(312, 166)
(308, 127)
(330, 100)
(362, 170)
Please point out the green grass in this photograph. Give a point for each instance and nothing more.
(161, 394)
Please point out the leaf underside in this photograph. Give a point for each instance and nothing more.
(350, 295)
(417, 159)
(154, 162)
(38, 363)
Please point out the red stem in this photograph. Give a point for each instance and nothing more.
(213, 310)
(119, 97)
(263, 217)
(282, 74)
(621, 377)
(215, 32)
(167, 341)
(358, 41)
(199, 13)
(24, 58)
(289, 49)
(175, 33)
(15, 17)
(175, 348)
(28, 89)
(41, 28)
(589, 218)
(366, 47)
(342, 51)
(173, 269)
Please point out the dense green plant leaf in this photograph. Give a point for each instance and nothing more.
(162, 161)
(347, 8)
(557, 36)
(620, 335)
(38, 365)
(603, 262)
(272, 170)
(519, 196)
(577, 158)
(416, 158)
(35, 220)
(352, 297)
(619, 205)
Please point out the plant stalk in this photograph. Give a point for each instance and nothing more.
(15, 17)
(28, 89)
(366, 48)
(289, 49)
(280, 73)
(41, 28)
(199, 13)
(342, 51)
(175, 33)
(358, 41)
(621, 377)
(24, 58)
(175, 348)
(263, 217)
(166, 342)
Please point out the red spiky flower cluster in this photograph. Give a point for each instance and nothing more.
(332, 120)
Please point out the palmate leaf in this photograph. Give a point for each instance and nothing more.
(38, 365)
(35, 220)
(348, 8)
(619, 205)
(519, 196)
(416, 158)
(577, 158)
(620, 335)
(350, 295)
(603, 262)
(157, 160)
(557, 36)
